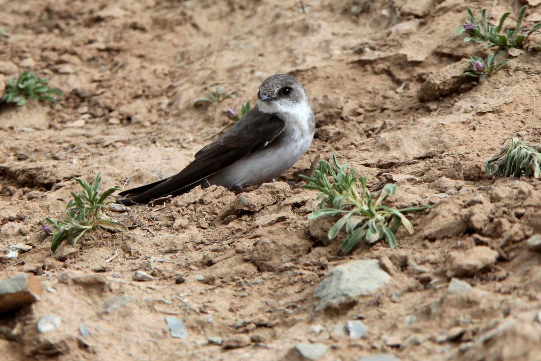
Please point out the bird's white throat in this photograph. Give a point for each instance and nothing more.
(299, 110)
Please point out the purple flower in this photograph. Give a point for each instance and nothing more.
(479, 66)
(47, 230)
(231, 114)
(468, 26)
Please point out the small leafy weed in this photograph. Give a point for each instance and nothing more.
(481, 32)
(362, 213)
(213, 97)
(84, 212)
(27, 87)
(481, 68)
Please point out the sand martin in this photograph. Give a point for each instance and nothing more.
(262, 145)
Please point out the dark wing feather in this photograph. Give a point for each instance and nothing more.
(141, 189)
(253, 132)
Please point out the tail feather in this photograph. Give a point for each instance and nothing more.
(141, 189)
(149, 192)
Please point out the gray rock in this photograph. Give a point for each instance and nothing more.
(339, 329)
(20, 247)
(115, 303)
(199, 278)
(380, 357)
(19, 291)
(141, 276)
(356, 329)
(306, 351)
(346, 282)
(458, 286)
(317, 329)
(49, 323)
(12, 254)
(534, 243)
(84, 331)
(14, 250)
(215, 340)
(177, 328)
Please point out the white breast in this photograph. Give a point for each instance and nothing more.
(270, 162)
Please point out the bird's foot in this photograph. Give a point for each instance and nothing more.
(294, 184)
(238, 189)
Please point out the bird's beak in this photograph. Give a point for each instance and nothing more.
(265, 98)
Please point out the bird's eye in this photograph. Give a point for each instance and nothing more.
(287, 90)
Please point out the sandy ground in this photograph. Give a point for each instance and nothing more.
(244, 267)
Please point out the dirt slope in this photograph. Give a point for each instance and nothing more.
(244, 267)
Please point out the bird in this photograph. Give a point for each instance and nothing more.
(262, 145)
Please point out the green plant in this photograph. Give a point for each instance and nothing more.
(480, 68)
(213, 97)
(28, 86)
(84, 212)
(362, 214)
(517, 158)
(481, 32)
(244, 109)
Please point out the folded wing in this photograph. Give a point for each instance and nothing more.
(253, 132)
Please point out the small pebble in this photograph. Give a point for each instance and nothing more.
(393, 341)
(356, 329)
(176, 327)
(49, 323)
(310, 351)
(215, 340)
(317, 329)
(84, 331)
(458, 286)
(534, 243)
(141, 276)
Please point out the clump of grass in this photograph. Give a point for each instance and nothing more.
(27, 87)
(84, 212)
(481, 68)
(362, 213)
(481, 32)
(213, 97)
(244, 109)
(517, 158)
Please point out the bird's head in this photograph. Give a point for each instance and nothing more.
(281, 92)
